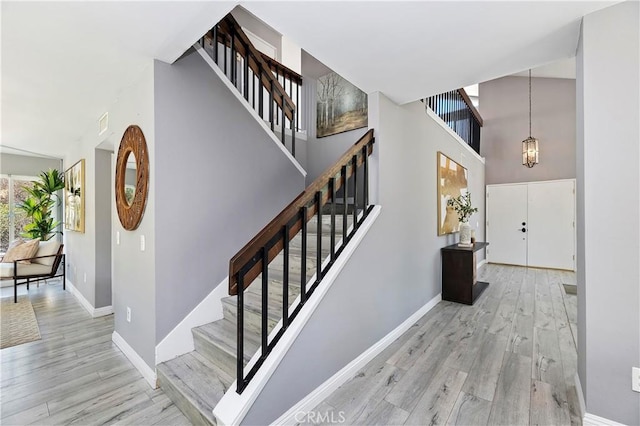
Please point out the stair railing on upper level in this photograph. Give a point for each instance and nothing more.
(290, 80)
(253, 260)
(455, 109)
(252, 75)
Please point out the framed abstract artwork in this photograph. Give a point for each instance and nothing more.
(74, 196)
(452, 182)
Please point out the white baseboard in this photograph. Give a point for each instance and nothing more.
(587, 418)
(180, 340)
(593, 420)
(94, 312)
(233, 407)
(324, 390)
(147, 372)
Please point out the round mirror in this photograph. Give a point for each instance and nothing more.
(130, 179)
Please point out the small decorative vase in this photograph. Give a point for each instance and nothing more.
(465, 234)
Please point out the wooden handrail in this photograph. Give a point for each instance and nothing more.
(251, 252)
(258, 65)
(282, 69)
(473, 109)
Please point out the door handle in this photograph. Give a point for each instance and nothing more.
(523, 229)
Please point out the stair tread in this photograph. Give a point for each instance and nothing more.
(201, 383)
(223, 334)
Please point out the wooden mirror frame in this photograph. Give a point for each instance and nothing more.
(133, 142)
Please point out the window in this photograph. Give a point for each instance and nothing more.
(12, 219)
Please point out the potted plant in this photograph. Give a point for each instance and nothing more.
(463, 207)
(42, 198)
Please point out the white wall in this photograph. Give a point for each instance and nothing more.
(134, 270)
(505, 110)
(400, 256)
(608, 205)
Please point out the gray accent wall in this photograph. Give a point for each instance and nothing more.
(504, 107)
(395, 270)
(221, 178)
(608, 72)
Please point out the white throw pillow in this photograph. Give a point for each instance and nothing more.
(47, 248)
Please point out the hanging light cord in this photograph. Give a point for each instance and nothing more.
(529, 102)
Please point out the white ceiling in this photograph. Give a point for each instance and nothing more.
(564, 68)
(64, 63)
(409, 50)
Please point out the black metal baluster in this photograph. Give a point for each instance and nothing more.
(234, 64)
(303, 257)
(354, 161)
(365, 160)
(224, 49)
(319, 237)
(246, 72)
(345, 193)
(215, 44)
(285, 279)
(240, 334)
(260, 96)
(265, 300)
(283, 120)
(332, 188)
(271, 104)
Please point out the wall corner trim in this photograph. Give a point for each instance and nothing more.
(179, 341)
(233, 407)
(245, 104)
(147, 372)
(94, 312)
(481, 263)
(318, 395)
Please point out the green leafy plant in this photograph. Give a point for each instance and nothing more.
(43, 197)
(462, 205)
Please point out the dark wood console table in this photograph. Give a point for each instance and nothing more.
(459, 282)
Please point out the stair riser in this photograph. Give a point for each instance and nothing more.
(188, 409)
(252, 320)
(217, 355)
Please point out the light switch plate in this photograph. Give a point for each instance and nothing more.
(142, 243)
(118, 238)
(635, 379)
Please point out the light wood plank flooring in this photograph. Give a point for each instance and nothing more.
(75, 374)
(508, 360)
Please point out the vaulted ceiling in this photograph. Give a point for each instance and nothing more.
(64, 63)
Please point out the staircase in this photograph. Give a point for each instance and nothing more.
(196, 381)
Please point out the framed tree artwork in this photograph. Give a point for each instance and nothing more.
(341, 106)
(74, 195)
(452, 182)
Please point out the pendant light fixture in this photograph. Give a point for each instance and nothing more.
(530, 144)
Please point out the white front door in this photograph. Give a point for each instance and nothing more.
(551, 224)
(506, 219)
